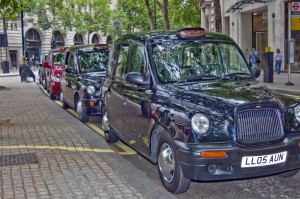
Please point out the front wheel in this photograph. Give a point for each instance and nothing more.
(83, 117)
(169, 169)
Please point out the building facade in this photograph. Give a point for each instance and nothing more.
(38, 41)
(255, 23)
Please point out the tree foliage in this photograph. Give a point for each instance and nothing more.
(169, 14)
(82, 16)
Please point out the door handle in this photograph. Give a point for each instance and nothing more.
(124, 102)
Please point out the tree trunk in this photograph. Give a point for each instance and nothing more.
(165, 11)
(218, 17)
(150, 15)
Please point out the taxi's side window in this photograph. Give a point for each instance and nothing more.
(137, 63)
(122, 55)
(70, 61)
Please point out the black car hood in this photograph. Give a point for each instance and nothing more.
(218, 96)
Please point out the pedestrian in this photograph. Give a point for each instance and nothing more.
(253, 58)
(278, 61)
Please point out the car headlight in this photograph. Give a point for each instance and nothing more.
(55, 79)
(91, 89)
(297, 112)
(200, 123)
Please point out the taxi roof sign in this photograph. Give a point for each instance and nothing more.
(191, 33)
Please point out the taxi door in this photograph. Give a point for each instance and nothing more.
(136, 112)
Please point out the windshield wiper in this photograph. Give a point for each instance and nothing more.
(240, 75)
(199, 78)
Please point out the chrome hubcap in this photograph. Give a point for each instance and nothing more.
(104, 123)
(79, 107)
(166, 162)
(61, 97)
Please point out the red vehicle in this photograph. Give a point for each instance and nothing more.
(55, 66)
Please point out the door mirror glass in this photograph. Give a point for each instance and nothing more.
(136, 78)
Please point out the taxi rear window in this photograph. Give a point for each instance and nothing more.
(59, 58)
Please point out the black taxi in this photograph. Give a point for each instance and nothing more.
(84, 72)
(188, 102)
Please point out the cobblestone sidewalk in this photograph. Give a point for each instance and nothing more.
(61, 165)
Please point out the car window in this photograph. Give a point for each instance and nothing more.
(93, 61)
(137, 59)
(59, 58)
(71, 61)
(122, 55)
(179, 61)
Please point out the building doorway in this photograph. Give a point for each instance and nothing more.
(33, 47)
(261, 44)
(260, 33)
(13, 58)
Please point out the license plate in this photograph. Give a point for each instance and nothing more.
(263, 160)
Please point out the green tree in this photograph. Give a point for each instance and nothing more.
(184, 14)
(82, 16)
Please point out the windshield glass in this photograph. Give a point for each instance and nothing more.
(59, 58)
(190, 61)
(93, 61)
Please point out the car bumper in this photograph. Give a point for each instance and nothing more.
(91, 110)
(229, 167)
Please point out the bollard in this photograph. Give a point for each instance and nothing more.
(268, 67)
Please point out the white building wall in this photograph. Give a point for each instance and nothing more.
(240, 22)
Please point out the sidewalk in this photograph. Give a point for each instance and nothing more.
(47, 153)
(279, 83)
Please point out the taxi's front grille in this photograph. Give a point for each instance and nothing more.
(259, 125)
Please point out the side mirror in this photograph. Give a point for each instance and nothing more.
(46, 64)
(69, 70)
(136, 78)
(256, 72)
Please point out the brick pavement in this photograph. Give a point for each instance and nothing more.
(29, 123)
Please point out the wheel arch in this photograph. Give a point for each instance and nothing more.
(155, 136)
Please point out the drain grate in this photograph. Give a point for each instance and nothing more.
(18, 159)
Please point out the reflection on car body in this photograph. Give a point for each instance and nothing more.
(188, 101)
(84, 73)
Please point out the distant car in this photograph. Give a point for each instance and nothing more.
(42, 70)
(55, 66)
(85, 70)
(188, 101)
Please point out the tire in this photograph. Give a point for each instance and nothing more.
(83, 117)
(45, 84)
(52, 96)
(289, 173)
(109, 135)
(169, 169)
(64, 104)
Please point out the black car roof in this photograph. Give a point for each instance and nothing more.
(79, 47)
(169, 35)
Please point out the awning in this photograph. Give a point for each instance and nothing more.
(239, 4)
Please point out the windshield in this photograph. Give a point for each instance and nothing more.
(190, 60)
(58, 58)
(93, 61)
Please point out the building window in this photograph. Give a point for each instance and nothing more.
(78, 40)
(59, 39)
(33, 35)
(95, 39)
